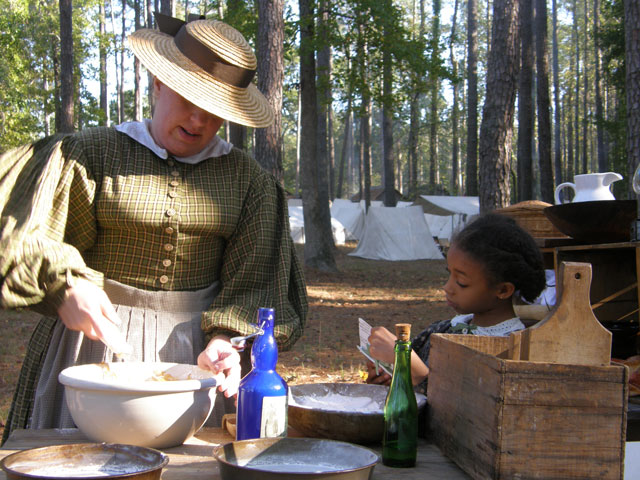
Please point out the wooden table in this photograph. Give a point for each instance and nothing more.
(194, 459)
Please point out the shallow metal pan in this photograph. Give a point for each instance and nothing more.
(293, 459)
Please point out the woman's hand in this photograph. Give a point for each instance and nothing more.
(87, 309)
(377, 376)
(381, 344)
(220, 356)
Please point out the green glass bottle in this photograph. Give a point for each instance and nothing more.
(400, 441)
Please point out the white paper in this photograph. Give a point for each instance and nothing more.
(365, 331)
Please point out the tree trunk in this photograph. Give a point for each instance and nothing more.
(472, 98)
(544, 104)
(323, 77)
(66, 67)
(331, 142)
(632, 83)
(102, 42)
(166, 7)
(585, 95)
(525, 103)
(556, 97)
(298, 140)
(365, 147)
(434, 172)
(270, 79)
(136, 69)
(455, 158)
(387, 116)
(318, 247)
(570, 137)
(325, 65)
(602, 152)
(497, 114)
(346, 142)
(45, 108)
(238, 135)
(116, 60)
(412, 154)
(576, 127)
(149, 24)
(361, 155)
(123, 34)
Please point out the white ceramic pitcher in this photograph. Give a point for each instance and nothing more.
(590, 186)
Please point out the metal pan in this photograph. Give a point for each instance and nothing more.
(294, 459)
(85, 461)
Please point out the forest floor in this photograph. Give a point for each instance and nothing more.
(381, 292)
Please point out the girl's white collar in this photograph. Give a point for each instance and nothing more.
(502, 329)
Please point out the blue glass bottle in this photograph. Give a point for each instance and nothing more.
(262, 395)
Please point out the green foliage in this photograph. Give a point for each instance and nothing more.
(243, 16)
(29, 42)
(611, 40)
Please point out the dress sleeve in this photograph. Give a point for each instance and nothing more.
(46, 202)
(260, 269)
(422, 346)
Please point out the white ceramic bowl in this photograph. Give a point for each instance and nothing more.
(149, 404)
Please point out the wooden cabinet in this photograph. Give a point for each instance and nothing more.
(614, 290)
(614, 286)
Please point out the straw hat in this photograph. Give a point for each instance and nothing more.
(207, 62)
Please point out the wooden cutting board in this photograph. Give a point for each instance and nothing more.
(570, 333)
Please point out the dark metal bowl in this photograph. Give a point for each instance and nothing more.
(315, 411)
(86, 461)
(294, 459)
(597, 222)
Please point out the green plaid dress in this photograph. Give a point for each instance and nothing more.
(97, 204)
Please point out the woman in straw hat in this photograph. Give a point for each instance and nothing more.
(157, 240)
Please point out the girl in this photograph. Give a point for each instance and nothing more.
(489, 262)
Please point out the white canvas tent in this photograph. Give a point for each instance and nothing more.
(396, 234)
(350, 215)
(446, 205)
(296, 225)
(445, 214)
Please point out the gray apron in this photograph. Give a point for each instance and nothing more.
(160, 326)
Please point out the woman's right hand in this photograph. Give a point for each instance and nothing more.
(86, 308)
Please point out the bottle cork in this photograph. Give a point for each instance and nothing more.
(403, 331)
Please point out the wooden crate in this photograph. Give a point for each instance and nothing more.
(530, 216)
(511, 419)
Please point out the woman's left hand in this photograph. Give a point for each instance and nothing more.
(220, 356)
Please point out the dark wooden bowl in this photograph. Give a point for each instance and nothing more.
(595, 222)
(325, 410)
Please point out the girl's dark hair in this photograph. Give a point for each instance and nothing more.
(509, 252)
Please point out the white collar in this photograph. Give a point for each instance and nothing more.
(502, 329)
(140, 132)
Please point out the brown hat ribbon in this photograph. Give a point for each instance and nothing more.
(201, 55)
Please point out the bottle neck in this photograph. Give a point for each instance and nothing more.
(264, 352)
(403, 357)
